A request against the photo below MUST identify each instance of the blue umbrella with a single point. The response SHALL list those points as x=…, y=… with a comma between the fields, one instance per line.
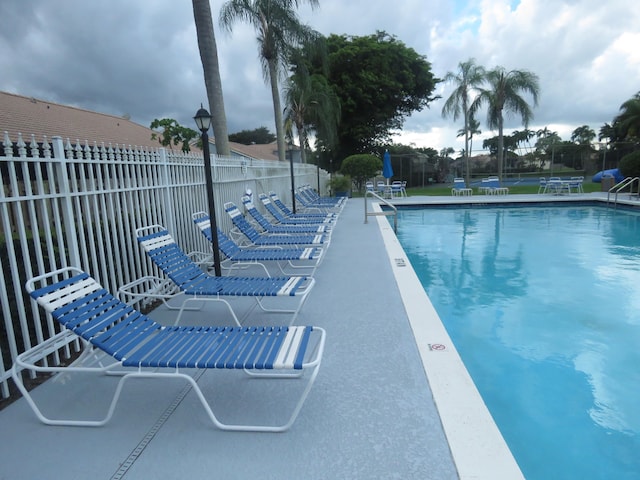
x=387, y=169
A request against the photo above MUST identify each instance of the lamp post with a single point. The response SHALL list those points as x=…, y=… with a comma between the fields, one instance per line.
x=293, y=186
x=203, y=121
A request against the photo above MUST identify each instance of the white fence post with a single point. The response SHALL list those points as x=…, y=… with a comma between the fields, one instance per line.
x=66, y=202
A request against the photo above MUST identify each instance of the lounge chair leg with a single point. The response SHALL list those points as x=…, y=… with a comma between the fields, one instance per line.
x=205, y=299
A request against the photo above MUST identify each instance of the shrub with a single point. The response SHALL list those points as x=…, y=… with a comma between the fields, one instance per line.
x=630, y=164
x=340, y=183
x=361, y=167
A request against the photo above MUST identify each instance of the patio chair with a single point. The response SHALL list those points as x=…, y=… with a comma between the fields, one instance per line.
x=256, y=238
x=396, y=189
x=543, y=185
x=183, y=275
x=269, y=227
x=118, y=340
x=306, y=259
x=307, y=214
x=575, y=184
x=369, y=186
x=282, y=219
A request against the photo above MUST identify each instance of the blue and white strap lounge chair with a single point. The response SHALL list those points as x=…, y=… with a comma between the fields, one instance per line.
x=269, y=227
x=185, y=276
x=305, y=259
x=312, y=196
x=282, y=219
x=261, y=239
x=118, y=340
x=278, y=203
x=460, y=187
x=322, y=207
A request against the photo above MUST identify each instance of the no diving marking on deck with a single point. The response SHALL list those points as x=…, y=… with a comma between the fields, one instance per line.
x=436, y=347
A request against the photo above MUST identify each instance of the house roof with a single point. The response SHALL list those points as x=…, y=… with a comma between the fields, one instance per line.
x=28, y=115
x=267, y=151
x=32, y=116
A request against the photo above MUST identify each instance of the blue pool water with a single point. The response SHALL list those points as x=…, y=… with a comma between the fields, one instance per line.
x=543, y=306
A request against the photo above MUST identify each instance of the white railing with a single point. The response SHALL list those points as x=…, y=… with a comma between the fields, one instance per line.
x=73, y=204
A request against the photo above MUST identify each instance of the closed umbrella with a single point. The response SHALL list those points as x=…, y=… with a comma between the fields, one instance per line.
x=387, y=169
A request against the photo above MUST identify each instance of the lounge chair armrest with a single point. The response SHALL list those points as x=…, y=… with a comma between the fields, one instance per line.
x=145, y=288
x=201, y=258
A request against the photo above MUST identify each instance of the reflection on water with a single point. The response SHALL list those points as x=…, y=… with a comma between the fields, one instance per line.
x=542, y=305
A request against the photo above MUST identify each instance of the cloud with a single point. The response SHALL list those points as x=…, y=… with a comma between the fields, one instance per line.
x=141, y=58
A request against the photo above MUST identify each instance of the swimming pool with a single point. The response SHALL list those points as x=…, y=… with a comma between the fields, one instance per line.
x=542, y=305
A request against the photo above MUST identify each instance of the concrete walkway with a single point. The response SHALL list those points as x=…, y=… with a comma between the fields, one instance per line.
x=370, y=415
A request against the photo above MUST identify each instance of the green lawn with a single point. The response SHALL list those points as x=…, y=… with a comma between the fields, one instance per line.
x=442, y=189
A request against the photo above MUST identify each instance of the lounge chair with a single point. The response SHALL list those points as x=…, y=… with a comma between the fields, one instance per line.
x=312, y=196
x=307, y=214
x=318, y=203
x=491, y=186
x=305, y=259
x=185, y=276
x=269, y=227
x=460, y=188
x=282, y=219
x=139, y=347
x=256, y=238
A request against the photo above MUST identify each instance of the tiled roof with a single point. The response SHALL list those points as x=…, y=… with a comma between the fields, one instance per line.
x=28, y=115
x=19, y=114
x=268, y=151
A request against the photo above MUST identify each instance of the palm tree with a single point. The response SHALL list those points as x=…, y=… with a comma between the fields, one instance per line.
x=311, y=105
x=504, y=94
x=628, y=121
x=209, y=58
x=469, y=77
x=279, y=30
x=474, y=129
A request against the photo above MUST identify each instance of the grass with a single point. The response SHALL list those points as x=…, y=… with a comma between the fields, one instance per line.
x=445, y=190
x=442, y=189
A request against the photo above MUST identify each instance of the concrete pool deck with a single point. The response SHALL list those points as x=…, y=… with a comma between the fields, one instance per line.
x=392, y=399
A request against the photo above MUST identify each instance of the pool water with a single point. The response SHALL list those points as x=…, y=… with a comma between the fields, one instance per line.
x=543, y=305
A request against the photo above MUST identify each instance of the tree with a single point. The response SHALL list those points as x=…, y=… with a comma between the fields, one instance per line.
x=628, y=120
x=583, y=136
x=545, y=145
x=361, y=167
x=311, y=105
x=473, y=129
x=503, y=96
x=279, y=30
x=260, y=136
x=379, y=81
x=630, y=164
x=469, y=77
x=209, y=58
x=173, y=133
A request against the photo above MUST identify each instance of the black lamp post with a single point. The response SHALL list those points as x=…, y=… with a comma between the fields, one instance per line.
x=203, y=121
x=293, y=186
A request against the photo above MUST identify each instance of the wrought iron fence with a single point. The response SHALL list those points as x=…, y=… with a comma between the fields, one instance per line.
x=73, y=204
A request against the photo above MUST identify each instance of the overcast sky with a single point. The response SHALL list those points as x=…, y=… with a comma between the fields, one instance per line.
x=141, y=57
